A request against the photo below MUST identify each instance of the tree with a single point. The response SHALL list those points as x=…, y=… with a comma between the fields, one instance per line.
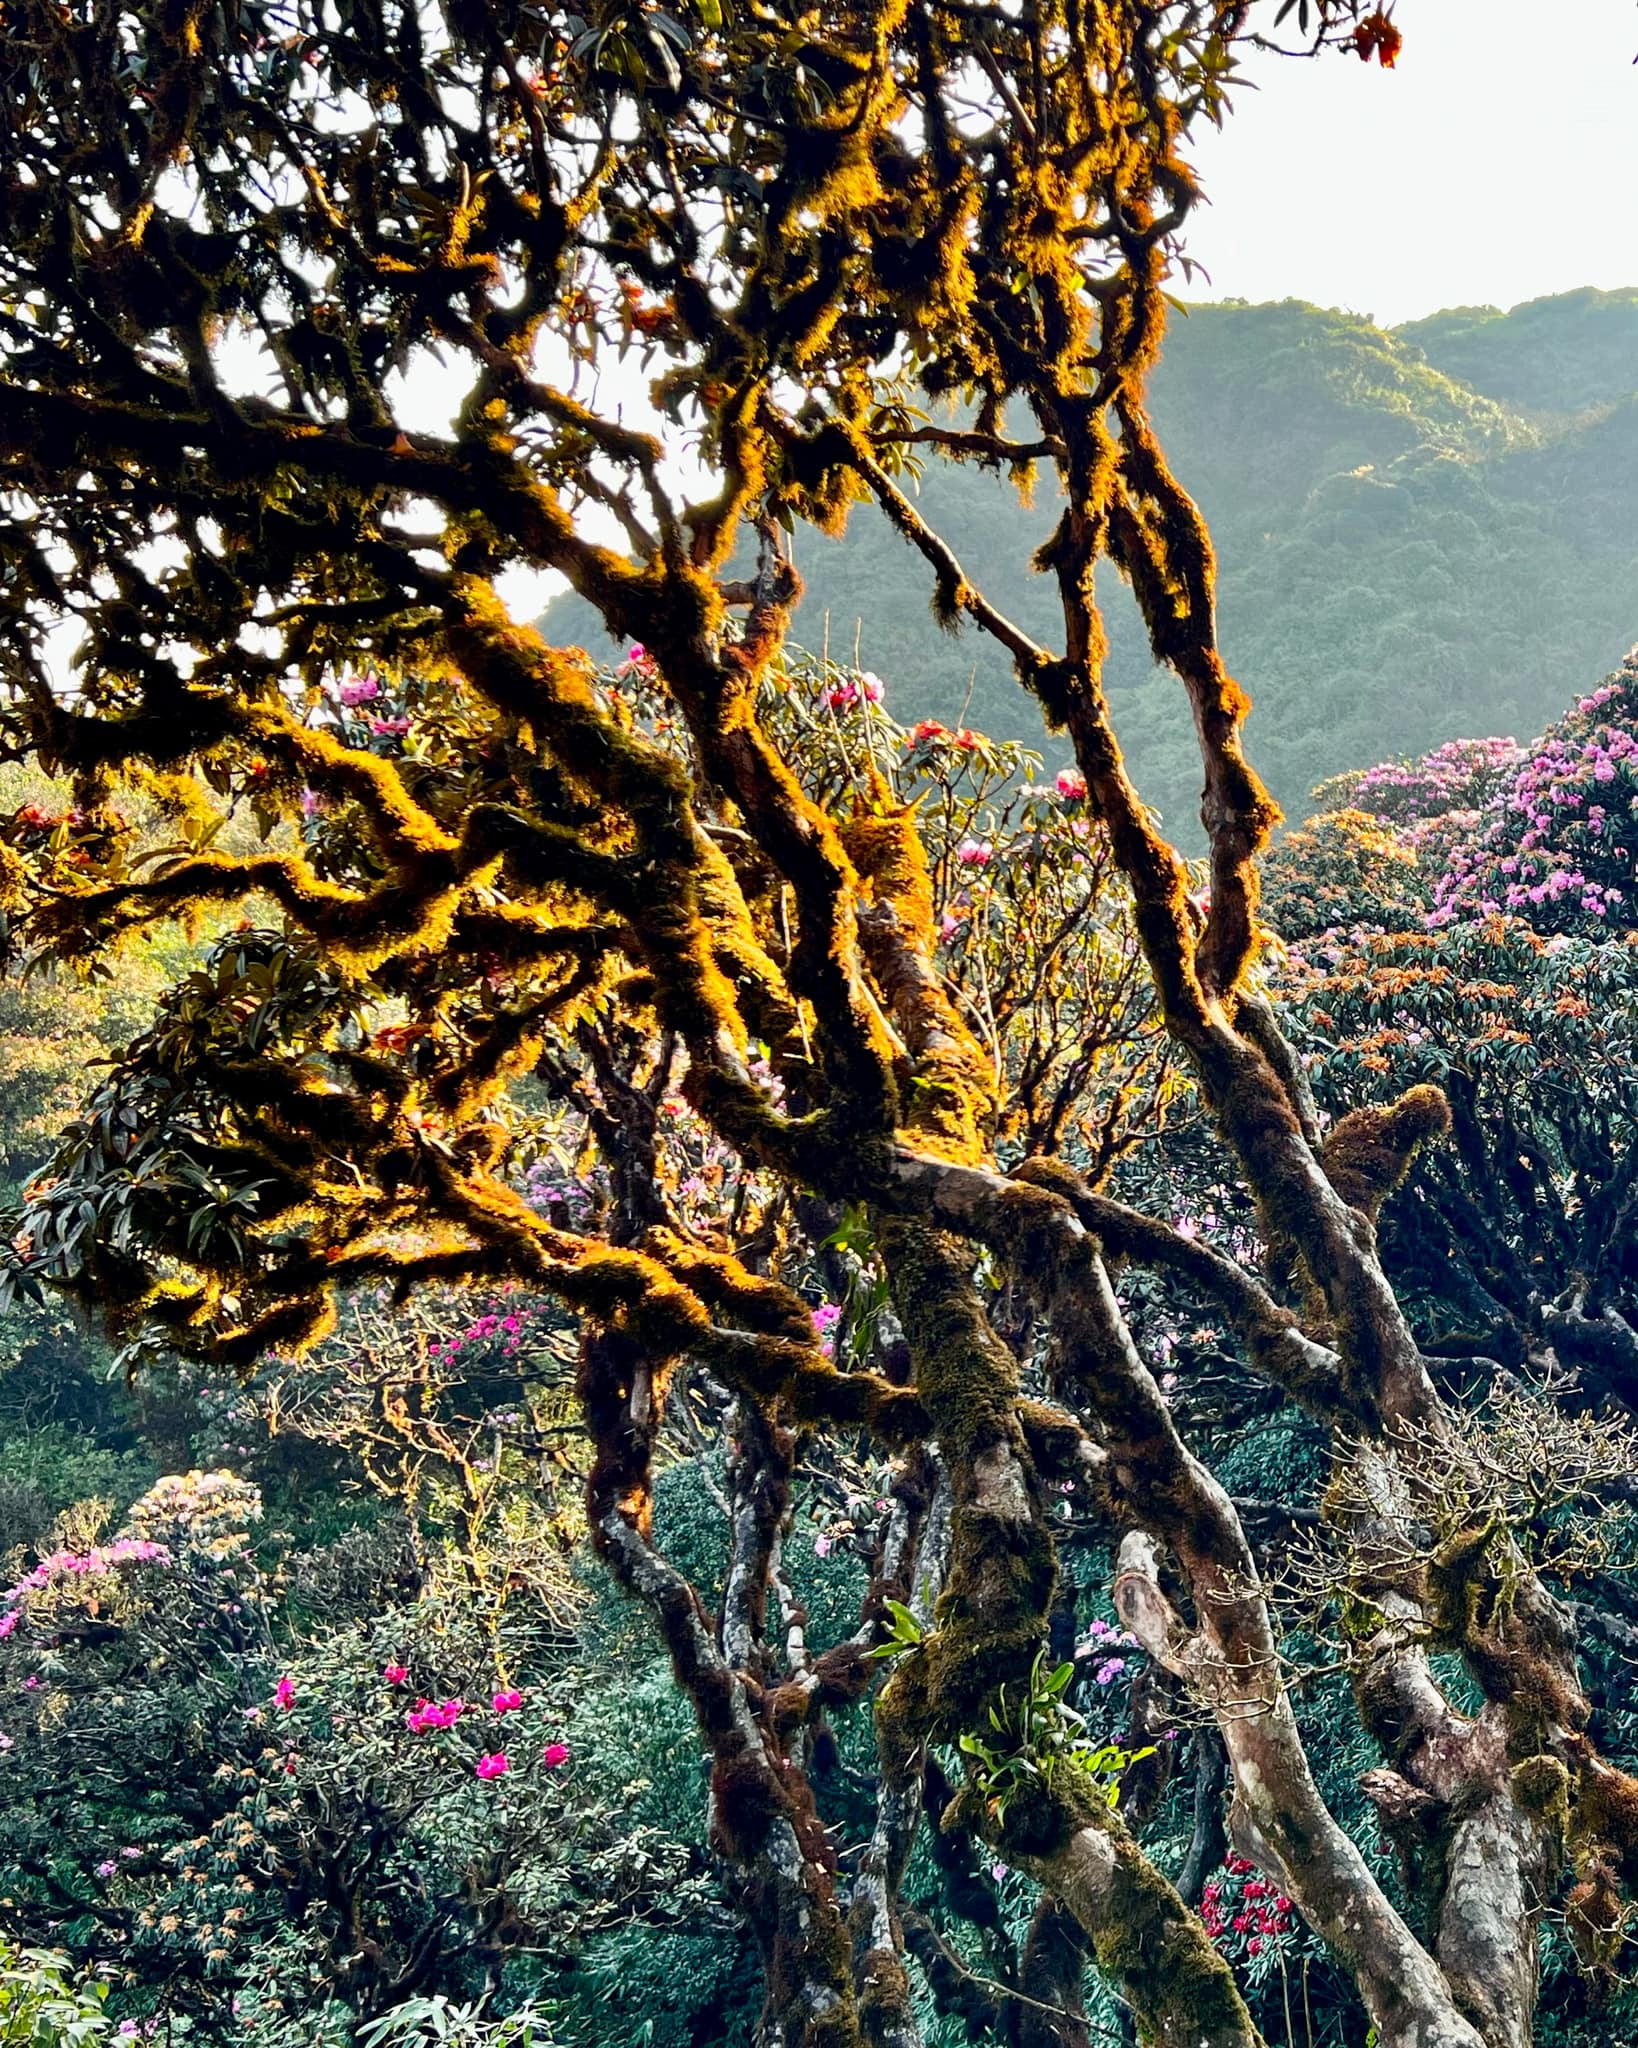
x=1492, y=884
x=842, y=241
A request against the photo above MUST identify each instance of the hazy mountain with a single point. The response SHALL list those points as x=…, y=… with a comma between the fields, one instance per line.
x=1422, y=533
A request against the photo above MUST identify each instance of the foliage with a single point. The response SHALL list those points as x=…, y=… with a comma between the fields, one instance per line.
x=694, y=1029
x=420, y=2022
x=1036, y=1738
x=43, y=2004
x=1344, y=869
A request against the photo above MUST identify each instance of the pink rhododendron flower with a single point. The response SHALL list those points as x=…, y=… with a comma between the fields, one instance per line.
x=395, y=1674
x=507, y=1702
x=1070, y=784
x=425, y=1715
x=554, y=1755
x=494, y=1766
x=361, y=690
x=284, y=1693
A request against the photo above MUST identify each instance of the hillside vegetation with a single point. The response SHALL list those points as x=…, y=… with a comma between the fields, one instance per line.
x=1421, y=533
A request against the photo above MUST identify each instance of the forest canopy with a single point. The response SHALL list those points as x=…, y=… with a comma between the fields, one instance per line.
x=647, y=1129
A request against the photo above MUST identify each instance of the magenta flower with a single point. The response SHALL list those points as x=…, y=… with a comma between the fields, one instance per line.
x=360, y=691
x=554, y=1755
x=395, y=1674
x=494, y=1765
x=105, y=1869
x=425, y=1715
x=1070, y=784
x=507, y=1702
x=284, y=1694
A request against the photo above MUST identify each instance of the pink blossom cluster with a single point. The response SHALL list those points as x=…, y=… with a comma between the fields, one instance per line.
x=543, y=1187
x=425, y=1714
x=1257, y=1909
x=1558, y=851
x=1460, y=775
x=506, y=1324
x=356, y=693
x=1105, y=1642
x=96, y=1562
x=863, y=687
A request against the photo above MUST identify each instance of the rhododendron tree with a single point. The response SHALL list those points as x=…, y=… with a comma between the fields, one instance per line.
x=1561, y=848
x=799, y=1013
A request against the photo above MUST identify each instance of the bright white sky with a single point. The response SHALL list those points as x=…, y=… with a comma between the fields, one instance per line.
x=1497, y=162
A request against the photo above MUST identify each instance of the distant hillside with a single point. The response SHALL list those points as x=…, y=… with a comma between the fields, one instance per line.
x=1562, y=355
x=1421, y=533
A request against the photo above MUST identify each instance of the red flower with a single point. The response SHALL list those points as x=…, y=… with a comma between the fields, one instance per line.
x=1377, y=37
x=395, y=1674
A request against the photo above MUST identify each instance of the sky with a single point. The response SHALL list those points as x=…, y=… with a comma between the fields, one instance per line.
x=1497, y=162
